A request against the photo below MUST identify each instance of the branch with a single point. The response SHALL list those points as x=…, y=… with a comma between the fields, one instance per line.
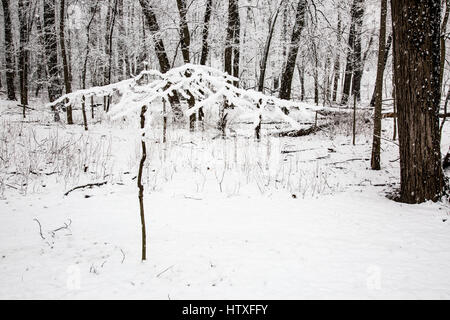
x=90, y=185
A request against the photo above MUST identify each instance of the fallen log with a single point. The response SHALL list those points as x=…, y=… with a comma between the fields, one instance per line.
x=302, y=132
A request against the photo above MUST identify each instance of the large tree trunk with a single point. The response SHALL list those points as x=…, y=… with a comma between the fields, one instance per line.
x=205, y=33
x=161, y=54
x=416, y=26
x=288, y=72
x=51, y=50
x=376, y=147
x=9, y=51
x=62, y=43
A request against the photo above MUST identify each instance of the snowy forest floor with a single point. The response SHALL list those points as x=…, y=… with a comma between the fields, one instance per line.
x=286, y=218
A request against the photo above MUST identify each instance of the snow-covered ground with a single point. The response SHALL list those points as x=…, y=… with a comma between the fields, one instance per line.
x=284, y=218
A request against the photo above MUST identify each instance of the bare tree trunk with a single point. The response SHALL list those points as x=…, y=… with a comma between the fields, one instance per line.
x=51, y=50
x=417, y=59
x=337, y=62
x=386, y=56
x=9, y=51
x=443, y=37
x=110, y=42
x=301, y=73
x=288, y=72
x=205, y=33
x=122, y=47
x=357, y=54
x=376, y=147
x=185, y=36
x=263, y=64
x=236, y=43
x=161, y=54
x=93, y=11
x=315, y=72
x=62, y=42
x=230, y=41
x=349, y=68
x=24, y=8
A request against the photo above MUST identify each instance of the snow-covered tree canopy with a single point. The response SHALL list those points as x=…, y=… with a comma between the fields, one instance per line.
x=208, y=86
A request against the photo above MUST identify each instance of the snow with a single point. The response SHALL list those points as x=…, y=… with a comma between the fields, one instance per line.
x=287, y=218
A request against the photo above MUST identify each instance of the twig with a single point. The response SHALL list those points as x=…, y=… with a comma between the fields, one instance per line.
x=348, y=161
x=158, y=275
x=123, y=253
x=40, y=228
x=65, y=227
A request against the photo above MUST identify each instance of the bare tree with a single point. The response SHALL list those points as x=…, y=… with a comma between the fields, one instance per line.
x=288, y=72
x=205, y=32
x=51, y=50
x=62, y=44
x=358, y=62
x=337, y=62
x=9, y=49
x=160, y=51
x=351, y=49
x=263, y=63
x=376, y=147
x=25, y=24
x=232, y=42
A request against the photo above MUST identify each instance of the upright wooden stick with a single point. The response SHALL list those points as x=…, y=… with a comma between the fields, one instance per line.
x=141, y=187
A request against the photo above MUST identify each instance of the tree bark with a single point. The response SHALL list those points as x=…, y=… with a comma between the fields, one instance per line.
x=161, y=54
x=288, y=72
x=443, y=37
x=337, y=62
x=349, y=67
x=376, y=146
x=386, y=56
x=232, y=41
x=51, y=50
x=24, y=8
x=62, y=43
x=9, y=51
x=205, y=33
x=416, y=26
x=263, y=64
x=185, y=36
x=236, y=43
x=110, y=42
x=357, y=54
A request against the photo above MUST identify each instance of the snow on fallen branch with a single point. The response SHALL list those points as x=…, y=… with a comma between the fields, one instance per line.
x=208, y=86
